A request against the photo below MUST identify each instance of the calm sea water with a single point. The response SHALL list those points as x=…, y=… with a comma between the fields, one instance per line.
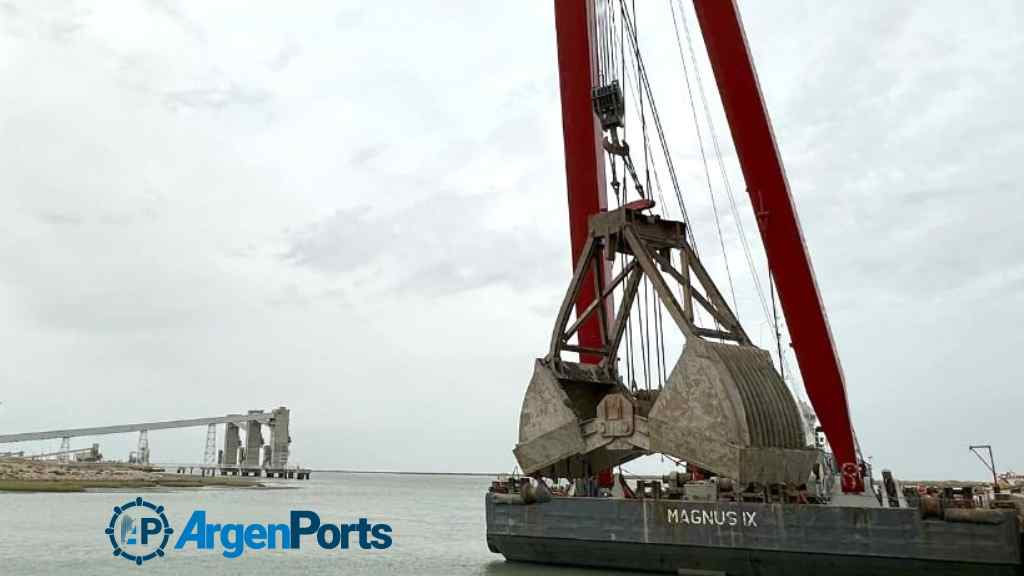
x=438, y=524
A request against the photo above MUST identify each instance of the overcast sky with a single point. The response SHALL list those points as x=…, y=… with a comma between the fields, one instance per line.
x=357, y=210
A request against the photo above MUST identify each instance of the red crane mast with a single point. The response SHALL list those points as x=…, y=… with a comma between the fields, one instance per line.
x=584, y=157
x=766, y=184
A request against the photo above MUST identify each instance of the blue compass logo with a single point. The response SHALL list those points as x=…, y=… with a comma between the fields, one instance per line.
x=138, y=531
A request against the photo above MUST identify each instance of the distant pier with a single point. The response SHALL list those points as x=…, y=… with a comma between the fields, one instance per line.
x=244, y=452
x=288, y=473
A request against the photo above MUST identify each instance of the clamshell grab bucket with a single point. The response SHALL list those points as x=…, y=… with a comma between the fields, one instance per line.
x=723, y=408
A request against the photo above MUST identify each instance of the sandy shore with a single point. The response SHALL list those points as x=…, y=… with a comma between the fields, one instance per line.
x=21, y=475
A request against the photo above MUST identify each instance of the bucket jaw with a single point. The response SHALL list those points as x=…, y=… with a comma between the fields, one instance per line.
x=723, y=407
x=726, y=409
x=576, y=420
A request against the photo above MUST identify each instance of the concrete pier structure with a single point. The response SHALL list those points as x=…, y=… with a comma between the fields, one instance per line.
x=253, y=455
x=253, y=442
x=231, y=443
x=280, y=438
x=257, y=415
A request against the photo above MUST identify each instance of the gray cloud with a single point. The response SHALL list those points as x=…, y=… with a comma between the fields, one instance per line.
x=442, y=245
x=171, y=10
x=365, y=154
x=58, y=218
x=215, y=98
x=285, y=56
x=331, y=206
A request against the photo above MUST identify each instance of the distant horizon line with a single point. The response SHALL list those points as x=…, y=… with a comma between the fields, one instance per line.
x=406, y=472
x=345, y=471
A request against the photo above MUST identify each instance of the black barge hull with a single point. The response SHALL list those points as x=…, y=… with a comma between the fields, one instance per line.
x=743, y=539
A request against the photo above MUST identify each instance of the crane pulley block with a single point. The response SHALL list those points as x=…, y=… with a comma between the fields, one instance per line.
x=609, y=105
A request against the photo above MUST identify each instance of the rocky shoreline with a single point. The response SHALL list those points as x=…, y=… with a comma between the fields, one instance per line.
x=23, y=475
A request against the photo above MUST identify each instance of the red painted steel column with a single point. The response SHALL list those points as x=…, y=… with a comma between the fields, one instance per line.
x=780, y=229
x=584, y=163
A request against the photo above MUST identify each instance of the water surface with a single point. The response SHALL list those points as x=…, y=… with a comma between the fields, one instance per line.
x=438, y=524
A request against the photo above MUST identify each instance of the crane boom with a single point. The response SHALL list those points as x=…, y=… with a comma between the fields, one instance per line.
x=780, y=229
x=584, y=162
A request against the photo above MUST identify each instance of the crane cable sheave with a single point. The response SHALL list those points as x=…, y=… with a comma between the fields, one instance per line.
x=610, y=109
x=723, y=407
